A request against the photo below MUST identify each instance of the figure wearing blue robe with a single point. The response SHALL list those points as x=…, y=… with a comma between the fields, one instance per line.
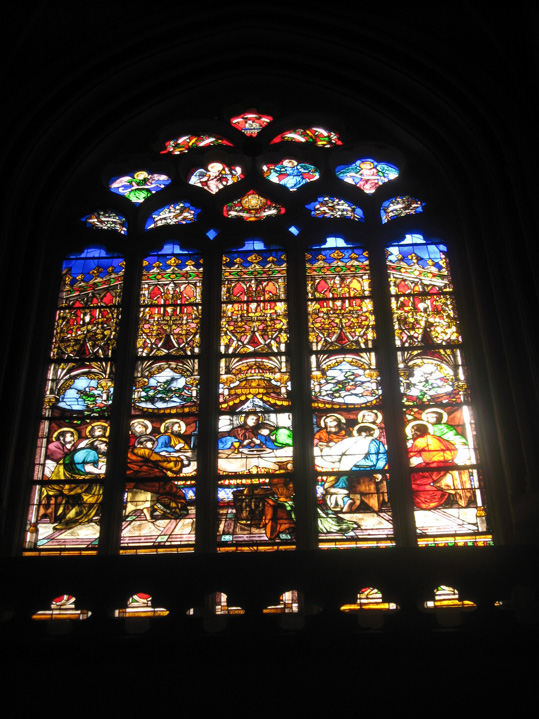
x=227, y=441
x=292, y=176
x=170, y=443
x=376, y=457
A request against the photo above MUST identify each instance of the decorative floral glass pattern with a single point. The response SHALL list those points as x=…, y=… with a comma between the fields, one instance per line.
x=178, y=213
x=106, y=220
x=335, y=208
x=316, y=135
x=250, y=122
x=185, y=143
x=399, y=207
x=252, y=206
x=170, y=303
x=340, y=308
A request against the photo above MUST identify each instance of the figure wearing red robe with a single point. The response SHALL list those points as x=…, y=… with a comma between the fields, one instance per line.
x=428, y=451
x=333, y=430
x=144, y=462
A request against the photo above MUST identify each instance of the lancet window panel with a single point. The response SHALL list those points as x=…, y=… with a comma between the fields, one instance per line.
x=160, y=488
x=353, y=504
x=255, y=445
x=446, y=478
x=71, y=455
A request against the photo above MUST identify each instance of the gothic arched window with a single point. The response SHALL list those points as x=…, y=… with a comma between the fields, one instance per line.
x=256, y=347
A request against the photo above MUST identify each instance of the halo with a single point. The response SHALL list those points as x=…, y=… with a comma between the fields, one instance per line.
x=418, y=421
x=98, y=424
x=372, y=411
x=438, y=410
x=66, y=429
x=367, y=424
x=332, y=414
x=176, y=421
x=145, y=422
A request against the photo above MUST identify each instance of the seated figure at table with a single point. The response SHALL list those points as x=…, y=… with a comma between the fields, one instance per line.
x=154, y=491
x=63, y=443
x=71, y=496
x=170, y=441
x=245, y=435
x=362, y=451
x=333, y=430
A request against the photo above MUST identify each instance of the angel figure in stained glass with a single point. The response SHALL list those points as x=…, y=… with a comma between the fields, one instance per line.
x=139, y=186
x=367, y=174
x=291, y=174
x=215, y=177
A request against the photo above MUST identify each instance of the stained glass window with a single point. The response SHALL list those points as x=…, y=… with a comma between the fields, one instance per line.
x=252, y=375
x=350, y=455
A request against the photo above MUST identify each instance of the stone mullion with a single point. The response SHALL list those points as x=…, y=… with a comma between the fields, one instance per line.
x=208, y=418
x=300, y=371
x=126, y=357
x=400, y=489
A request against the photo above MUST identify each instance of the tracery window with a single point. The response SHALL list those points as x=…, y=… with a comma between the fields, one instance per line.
x=230, y=373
